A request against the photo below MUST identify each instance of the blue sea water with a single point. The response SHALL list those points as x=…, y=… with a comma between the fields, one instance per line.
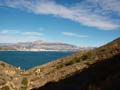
x=27, y=60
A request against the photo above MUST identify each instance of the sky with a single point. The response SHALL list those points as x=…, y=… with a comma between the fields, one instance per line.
x=78, y=22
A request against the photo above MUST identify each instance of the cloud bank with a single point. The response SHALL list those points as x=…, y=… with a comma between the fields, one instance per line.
x=92, y=13
x=8, y=36
x=11, y=32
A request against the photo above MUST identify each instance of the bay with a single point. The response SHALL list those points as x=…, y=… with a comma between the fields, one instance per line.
x=28, y=59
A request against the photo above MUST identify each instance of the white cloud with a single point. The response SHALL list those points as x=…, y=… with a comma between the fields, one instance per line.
x=16, y=32
x=92, y=13
x=33, y=33
x=8, y=31
x=73, y=34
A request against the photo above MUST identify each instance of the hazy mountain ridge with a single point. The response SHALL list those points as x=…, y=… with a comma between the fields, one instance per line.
x=86, y=70
x=39, y=46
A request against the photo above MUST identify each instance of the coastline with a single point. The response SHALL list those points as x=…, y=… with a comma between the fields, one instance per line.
x=41, y=50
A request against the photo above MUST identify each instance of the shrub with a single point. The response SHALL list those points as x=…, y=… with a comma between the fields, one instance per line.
x=69, y=63
x=84, y=57
x=2, y=64
x=5, y=88
x=24, y=84
x=89, y=55
x=60, y=66
x=76, y=59
x=24, y=81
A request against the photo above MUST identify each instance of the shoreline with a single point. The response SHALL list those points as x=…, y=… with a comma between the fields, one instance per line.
x=42, y=50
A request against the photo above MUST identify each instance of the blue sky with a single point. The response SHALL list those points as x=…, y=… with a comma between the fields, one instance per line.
x=78, y=22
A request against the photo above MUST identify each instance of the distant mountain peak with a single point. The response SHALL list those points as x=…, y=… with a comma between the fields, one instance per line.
x=38, y=41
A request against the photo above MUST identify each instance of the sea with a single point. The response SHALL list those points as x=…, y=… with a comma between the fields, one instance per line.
x=28, y=59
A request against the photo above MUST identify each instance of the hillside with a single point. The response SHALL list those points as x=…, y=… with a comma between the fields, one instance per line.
x=96, y=69
x=104, y=75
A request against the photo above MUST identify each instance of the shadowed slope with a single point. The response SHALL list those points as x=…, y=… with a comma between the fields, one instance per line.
x=101, y=73
x=104, y=75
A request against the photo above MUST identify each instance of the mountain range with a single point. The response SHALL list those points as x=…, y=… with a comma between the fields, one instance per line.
x=40, y=46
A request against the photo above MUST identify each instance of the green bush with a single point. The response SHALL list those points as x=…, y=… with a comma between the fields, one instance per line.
x=69, y=63
x=24, y=81
x=60, y=66
x=84, y=57
x=90, y=55
x=23, y=88
x=24, y=84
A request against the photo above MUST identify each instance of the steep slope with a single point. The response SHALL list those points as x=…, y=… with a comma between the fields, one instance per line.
x=99, y=76
x=96, y=69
